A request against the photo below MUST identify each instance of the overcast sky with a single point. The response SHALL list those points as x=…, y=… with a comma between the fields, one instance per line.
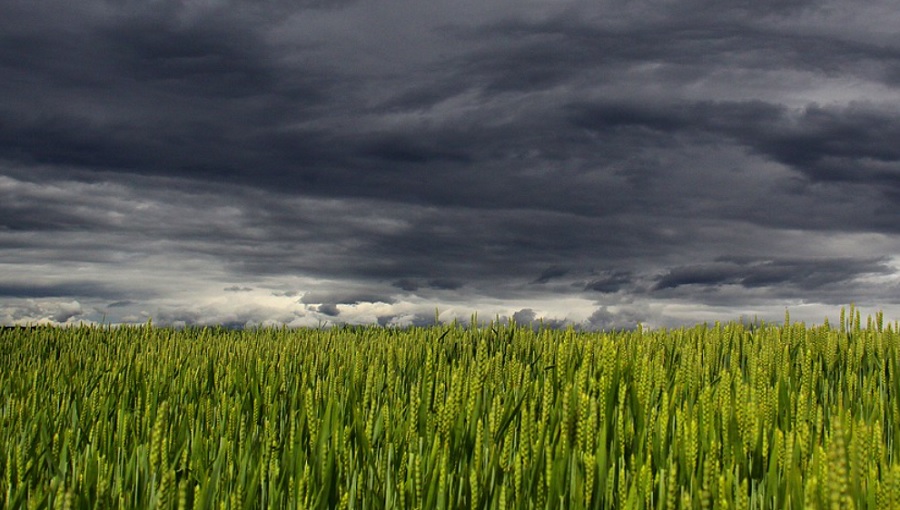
x=310, y=162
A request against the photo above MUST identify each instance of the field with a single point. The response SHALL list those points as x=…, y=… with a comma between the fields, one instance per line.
x=730, y=415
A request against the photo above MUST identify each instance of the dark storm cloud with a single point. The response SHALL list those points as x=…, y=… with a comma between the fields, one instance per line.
x=387, y=157
x=855, y=143
x=504, y=246
x=610, y=282
x=211, y=100
x=409, y=149
x=224, y=108
x=444, y=284
x=803, y=274
x=200, y=60
x=43, y=290
x=534, y=55
x=152, y=94
x=406, y=284
x=412, y=285
x=551, y=273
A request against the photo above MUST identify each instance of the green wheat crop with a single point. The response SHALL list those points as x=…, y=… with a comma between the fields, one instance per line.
x=729, y=416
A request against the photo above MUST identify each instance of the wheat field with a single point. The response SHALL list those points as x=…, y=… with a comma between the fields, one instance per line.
x=729, y=416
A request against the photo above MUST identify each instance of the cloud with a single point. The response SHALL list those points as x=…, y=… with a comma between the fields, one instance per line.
x=235, y=288
x=407, y=284
x=524, y=316
x=32, y=312
x=51, y=290
x=329, y=309
x=345, y=297
x=609, y=282
x=807, y=275
x=605, y=320
x=551, y=273
x=444, y=284
x=852, y=143
x=421, y=320
x=233, y=314
x=711, y=158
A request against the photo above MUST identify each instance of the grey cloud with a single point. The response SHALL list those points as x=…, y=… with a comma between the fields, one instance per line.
x=605, y=320
x=423, y=320
x=412, y=284
x=329, y=309
x=62, y=289
x=609, y=282
x=554, y=323
x=198, y=59
x=535, y=55
x=348, y=297
x=852, y=143
x=804, y=274
x=407, y=284
x=551, y=273
x=235, y=288
x=190, y=314
x=528, y=317
x=444, y=284
x=856, y=143
x=524, y=316
x=749, y=7
x=741, y=118
x=720, y=274
x=455, y=155
x=161, y=96
x=374, y=161
x=32, y=312
x=409, y=149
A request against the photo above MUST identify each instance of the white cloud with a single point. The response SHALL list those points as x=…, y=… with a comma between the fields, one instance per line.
x=43, y=311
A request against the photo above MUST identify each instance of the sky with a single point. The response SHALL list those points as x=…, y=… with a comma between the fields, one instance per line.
x=595, y=164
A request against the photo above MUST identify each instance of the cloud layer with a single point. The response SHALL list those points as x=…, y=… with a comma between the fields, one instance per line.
x=319, y=162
